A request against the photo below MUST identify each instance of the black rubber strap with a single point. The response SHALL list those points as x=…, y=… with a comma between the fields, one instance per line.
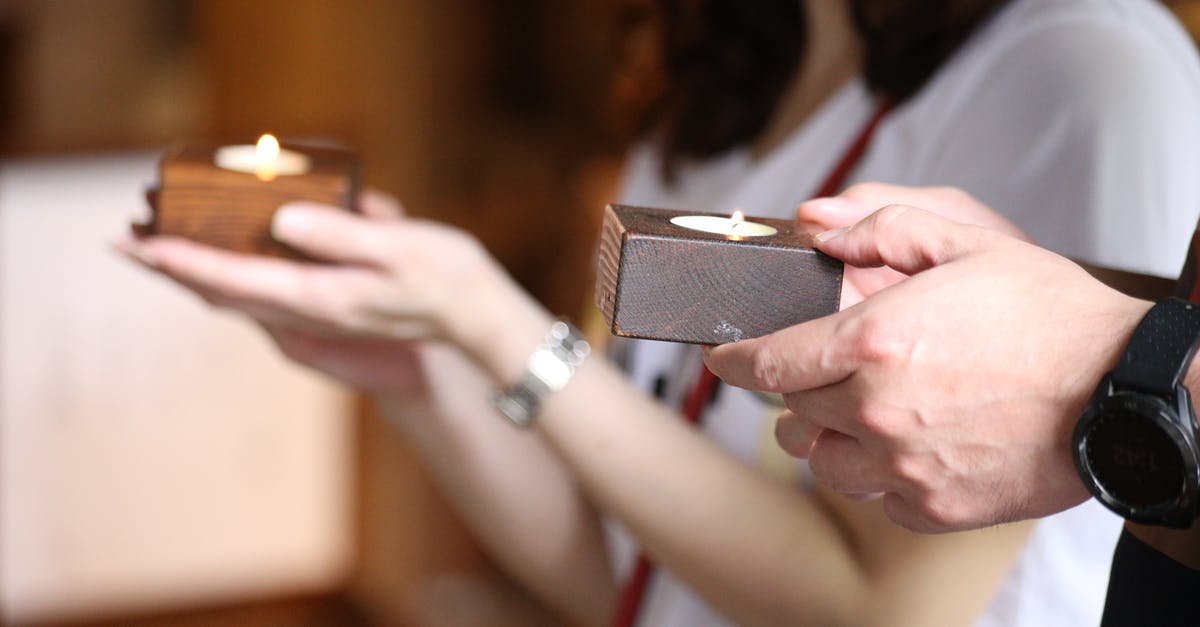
x=1161, y=348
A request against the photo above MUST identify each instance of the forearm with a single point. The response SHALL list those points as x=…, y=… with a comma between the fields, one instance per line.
x=513, y=493
x=755, y=549
x=752, y=547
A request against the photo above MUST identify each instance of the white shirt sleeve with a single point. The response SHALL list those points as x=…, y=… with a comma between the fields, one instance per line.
x=1085, y=130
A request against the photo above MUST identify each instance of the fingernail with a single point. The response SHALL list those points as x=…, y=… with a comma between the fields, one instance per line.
x=290, y=222
x=826, y=236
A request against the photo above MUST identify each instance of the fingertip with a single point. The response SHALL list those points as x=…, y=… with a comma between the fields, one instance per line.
x=292, y=221
x=823, y=206
x=123, y=244
x=379, y=205
x=714, y=354
x=138, y=252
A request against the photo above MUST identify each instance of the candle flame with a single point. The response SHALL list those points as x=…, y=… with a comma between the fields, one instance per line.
x=738, y=216
x=267, y=153
x=267, y=148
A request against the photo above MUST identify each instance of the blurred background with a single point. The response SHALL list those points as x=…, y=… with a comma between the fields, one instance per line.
x=159, y=463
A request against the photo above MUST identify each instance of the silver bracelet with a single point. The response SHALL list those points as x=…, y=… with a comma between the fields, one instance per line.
x=548, y=370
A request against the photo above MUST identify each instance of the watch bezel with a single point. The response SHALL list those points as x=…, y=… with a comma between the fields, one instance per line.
x=1179, y=512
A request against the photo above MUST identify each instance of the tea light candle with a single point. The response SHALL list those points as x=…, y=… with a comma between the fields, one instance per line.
x=266, y=159
x=734, y=226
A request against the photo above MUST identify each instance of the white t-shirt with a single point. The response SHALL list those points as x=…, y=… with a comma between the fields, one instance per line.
x=1080, y=121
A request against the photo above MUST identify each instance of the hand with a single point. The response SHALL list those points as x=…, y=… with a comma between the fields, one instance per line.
x=394, y=280
x=859, y=201
x=953, y=392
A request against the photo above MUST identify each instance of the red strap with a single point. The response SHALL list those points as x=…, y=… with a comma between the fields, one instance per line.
x=701, y=393
x=698, y=397
x=635, y=590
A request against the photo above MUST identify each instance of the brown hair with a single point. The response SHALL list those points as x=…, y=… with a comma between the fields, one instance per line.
x=720, y=66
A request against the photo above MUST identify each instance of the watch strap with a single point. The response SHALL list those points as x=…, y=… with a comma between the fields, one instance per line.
x=1161, y=348
x=549, y=368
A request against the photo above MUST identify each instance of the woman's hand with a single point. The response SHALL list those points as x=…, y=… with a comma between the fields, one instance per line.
x=391, y=280
x=861, y=200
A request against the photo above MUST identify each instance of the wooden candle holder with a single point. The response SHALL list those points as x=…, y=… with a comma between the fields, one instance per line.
x=229, y=209
x=660, y=281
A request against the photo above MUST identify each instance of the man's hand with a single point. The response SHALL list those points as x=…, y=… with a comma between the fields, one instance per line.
x=954, y=391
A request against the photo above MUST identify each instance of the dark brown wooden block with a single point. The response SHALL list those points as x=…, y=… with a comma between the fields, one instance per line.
x=660, y=281
x=198, y=200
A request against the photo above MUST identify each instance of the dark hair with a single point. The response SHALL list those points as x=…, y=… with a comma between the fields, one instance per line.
x=722, y=65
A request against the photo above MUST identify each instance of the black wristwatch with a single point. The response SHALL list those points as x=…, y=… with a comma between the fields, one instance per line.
x=1135, y=446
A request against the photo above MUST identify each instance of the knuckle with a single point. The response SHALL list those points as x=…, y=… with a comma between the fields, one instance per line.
x=943, y=509
x=765, y=368
x=879, y=420
x=908, y=469
x=879, y=341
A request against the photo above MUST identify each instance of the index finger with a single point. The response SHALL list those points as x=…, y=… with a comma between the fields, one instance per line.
x=335, y=235
x=801, y=357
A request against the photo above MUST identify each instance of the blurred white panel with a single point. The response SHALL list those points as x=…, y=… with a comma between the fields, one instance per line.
x=153, y=452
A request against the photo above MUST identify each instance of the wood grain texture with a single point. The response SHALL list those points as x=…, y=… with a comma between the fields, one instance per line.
x=233, y=210
x=658, y=281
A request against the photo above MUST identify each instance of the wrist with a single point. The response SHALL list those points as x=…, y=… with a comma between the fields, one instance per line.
x=1135, y=445
x=548, y=369
x=498, y=325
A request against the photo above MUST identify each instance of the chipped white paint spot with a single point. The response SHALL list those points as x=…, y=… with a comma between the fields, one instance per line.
x=726, y=332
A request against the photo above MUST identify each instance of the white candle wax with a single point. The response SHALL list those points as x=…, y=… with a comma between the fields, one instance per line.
x=724, y=226
x=266, y=160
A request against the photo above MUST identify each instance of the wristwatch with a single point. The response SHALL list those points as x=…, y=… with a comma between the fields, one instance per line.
x=1135, y=446
x=549, y=368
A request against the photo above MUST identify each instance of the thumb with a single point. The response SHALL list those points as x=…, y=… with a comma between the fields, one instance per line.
x=904, y=238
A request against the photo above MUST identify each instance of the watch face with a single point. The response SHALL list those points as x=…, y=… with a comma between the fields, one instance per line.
x=1134, y=459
